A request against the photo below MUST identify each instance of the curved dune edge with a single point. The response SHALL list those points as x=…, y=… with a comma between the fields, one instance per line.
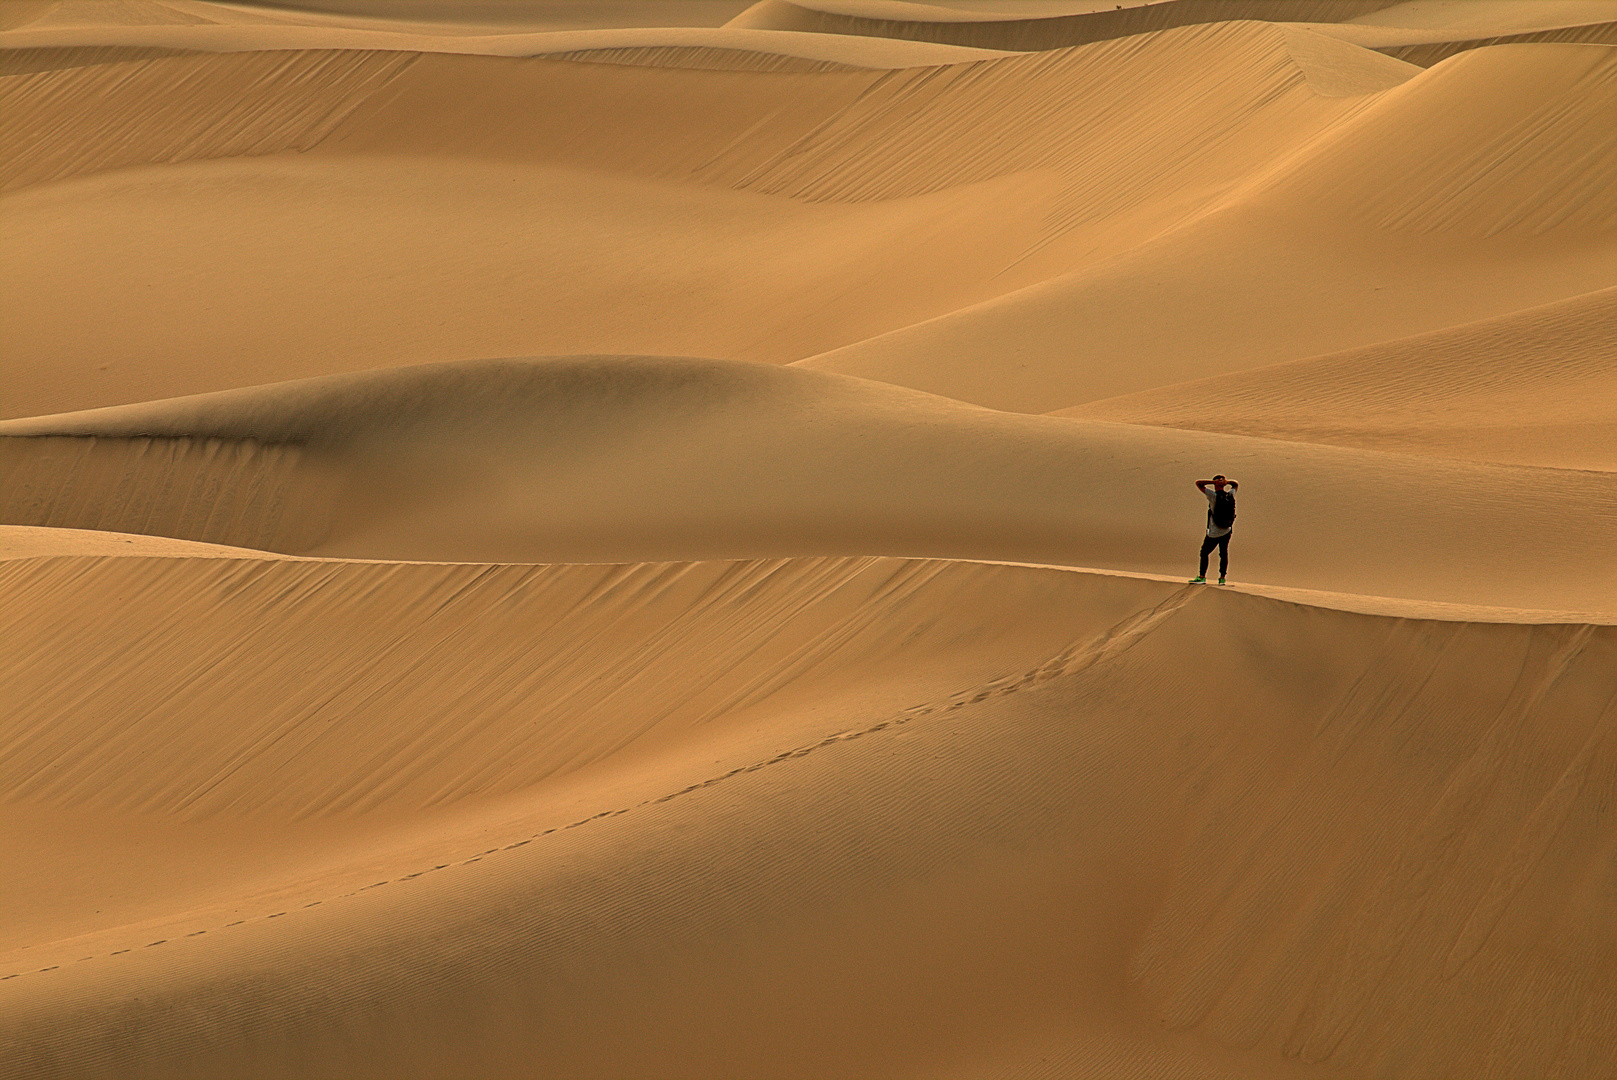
x=828, y=48
x=1427, y=54
x=31, y=542
x=292, y=97
x=1534, y=387
x=795, y=862
x=1416, y=33
x=987, y=29
x=568, y=459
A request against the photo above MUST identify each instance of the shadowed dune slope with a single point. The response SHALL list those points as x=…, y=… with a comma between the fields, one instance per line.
x=1420, y=210
x=1422, y=32
x=590, y=458
x=1391, y=835
x=1535, y=387
x=988, y=29
x=27, y=61
x=68, y=122
x=1426, y=31
x=1427, y=54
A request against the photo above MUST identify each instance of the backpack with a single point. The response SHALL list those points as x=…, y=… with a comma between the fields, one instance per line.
x=1223, y=509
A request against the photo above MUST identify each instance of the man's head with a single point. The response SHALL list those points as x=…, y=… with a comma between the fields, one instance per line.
x=1219, y=479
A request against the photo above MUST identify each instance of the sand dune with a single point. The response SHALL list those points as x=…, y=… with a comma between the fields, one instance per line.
x=1337, y=247
x=780, y=664
x=568, y=459
x=490, y=274
x=1201, y=198
x=716, y=641
x=1535, y=387
x=564, y=906
x=501, y=259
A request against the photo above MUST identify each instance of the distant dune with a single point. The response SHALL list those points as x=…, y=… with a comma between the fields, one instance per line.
x=644, y=540
x=1535, y=387
x=1361, y=233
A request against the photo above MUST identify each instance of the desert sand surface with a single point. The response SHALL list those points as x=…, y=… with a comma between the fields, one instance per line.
x=631, y=539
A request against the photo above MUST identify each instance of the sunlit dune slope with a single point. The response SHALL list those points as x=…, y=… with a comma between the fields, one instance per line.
x=1476, y=188
x=592, y=458
x=1536, y=387
x=31, y=541
x=869, y=780
x=360, y=687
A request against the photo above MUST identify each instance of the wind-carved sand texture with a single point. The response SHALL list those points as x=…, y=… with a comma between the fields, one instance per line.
x=539, y=542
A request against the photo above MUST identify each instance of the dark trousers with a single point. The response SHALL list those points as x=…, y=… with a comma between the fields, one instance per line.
x=1223, y=545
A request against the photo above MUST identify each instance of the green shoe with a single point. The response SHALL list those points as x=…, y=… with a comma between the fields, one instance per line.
x=1198, y=581
x=1221, y=581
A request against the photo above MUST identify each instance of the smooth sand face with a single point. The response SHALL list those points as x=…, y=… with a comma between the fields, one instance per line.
x=558, y=540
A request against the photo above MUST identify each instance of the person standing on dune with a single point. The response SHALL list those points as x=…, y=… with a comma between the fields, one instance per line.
x=1220, y=494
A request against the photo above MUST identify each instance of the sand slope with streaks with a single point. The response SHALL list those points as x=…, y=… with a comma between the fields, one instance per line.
x=566, y=908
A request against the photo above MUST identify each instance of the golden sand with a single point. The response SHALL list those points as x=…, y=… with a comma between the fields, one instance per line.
x=650, y=540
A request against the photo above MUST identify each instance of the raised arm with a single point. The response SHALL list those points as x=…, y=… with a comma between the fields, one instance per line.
x=1201, y=486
